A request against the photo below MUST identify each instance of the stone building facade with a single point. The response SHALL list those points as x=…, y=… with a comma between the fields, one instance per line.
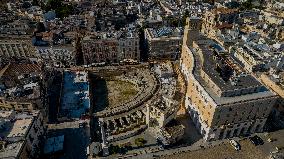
x=222, y=101
x=218, y=18
x=163, y=43
x=99, y=50
x=111, y=48
x=129, y=47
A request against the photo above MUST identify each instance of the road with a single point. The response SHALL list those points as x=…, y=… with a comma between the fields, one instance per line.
x=221, y=149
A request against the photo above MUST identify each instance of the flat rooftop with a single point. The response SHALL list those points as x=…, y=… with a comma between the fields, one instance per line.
x=54, y=144
x=75, y=99
x=206, y=60
x=222, y=69
x=165, y=32
x=13, y=132
x=20, y=127
x=15, y=125
x=11, y=150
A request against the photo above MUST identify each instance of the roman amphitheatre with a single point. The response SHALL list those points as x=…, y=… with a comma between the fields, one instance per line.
x=115, y=90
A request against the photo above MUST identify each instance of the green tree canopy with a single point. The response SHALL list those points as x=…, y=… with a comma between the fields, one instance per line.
x=61, y=9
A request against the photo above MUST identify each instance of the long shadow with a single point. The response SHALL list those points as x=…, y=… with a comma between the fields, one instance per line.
x=99, y=97
x=75, y=143
x=191, y=134
x=99, y=93
x=53, y=97
x=273, y=123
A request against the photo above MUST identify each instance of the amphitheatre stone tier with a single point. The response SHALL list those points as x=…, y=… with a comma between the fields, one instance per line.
x=145, y=82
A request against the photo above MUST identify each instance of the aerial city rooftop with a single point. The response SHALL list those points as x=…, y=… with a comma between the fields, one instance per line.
x=167, y=79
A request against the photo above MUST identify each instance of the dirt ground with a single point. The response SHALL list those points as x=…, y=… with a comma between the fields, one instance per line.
x=119, y=92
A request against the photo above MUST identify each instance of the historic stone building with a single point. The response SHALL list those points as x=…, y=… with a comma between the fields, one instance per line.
x=222, y=99
x=20, y=48
x=111, y=47
x=163, y=43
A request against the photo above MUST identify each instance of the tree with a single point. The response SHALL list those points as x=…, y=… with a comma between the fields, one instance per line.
x=232, y=4
x=35, y=3
x=247, y=5
x=62, y=10
x=140, y=142
x=40, y=27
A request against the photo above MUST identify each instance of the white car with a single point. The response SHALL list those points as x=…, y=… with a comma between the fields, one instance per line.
x=235, y=144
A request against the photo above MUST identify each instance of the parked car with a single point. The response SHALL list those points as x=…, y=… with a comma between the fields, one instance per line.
x=235, y=144
x=256, y=140
x=271, y=139
x=278, y=148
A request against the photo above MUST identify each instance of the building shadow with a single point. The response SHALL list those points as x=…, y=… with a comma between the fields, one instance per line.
x=191, y=134
x=75, y=143
x=53, y=95
x=99, y=93
x=99, y=102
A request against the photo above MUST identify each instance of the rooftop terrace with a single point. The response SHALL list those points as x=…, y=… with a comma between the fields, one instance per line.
x=14, y=126
x=222, y=77
x=221, y=69
x=11, y=150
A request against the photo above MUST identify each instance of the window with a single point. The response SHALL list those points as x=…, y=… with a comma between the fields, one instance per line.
x=206, y=101
x=236, y=114
x=189, y=99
